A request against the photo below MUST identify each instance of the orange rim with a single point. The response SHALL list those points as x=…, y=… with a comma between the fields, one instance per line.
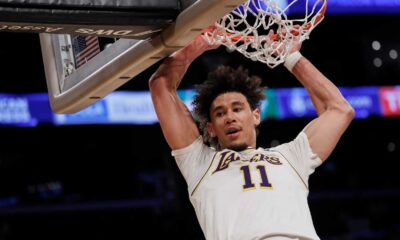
x=275, y=37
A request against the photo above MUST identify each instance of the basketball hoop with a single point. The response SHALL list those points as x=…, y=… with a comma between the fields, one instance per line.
x=262, y=31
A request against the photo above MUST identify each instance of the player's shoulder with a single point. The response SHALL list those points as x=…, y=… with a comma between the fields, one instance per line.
x=270, y=150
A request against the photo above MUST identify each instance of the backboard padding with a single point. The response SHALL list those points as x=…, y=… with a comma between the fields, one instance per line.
x=126, y=58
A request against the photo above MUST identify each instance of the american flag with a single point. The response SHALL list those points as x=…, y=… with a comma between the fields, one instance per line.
x=85, y=48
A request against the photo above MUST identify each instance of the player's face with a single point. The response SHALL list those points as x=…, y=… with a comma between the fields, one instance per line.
x=233, y=122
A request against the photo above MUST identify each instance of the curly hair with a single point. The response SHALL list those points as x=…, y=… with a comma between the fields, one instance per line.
x=223, y=80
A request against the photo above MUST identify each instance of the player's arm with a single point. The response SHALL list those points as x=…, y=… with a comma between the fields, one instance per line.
x=176, y=121
x=334, y=112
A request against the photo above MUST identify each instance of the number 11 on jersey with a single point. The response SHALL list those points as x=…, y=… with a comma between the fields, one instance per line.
x=248, y=183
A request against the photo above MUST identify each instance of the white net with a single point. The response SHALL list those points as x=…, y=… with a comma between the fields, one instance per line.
x=262, y=30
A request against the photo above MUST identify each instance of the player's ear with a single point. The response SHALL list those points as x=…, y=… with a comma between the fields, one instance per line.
x=210, y=130
x=256, y=117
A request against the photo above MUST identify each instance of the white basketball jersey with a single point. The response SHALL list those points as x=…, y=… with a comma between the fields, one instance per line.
x=253, y=194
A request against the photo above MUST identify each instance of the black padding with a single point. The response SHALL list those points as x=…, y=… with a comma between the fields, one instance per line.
x=102, y=12
x=91, y=4
x=87, y=17
x=70, y=15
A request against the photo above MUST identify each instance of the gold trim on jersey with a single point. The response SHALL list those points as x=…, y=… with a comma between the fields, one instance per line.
x=209, y=167
x=294, y=168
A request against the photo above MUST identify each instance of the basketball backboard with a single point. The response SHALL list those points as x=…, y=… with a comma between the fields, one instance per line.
x=73, y=88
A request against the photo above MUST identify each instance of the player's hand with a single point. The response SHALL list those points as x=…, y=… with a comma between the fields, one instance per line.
x=201, y=43
x=195, y=48
x=295, y=32
x=275, y=40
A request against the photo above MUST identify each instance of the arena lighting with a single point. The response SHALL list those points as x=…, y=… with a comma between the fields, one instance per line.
x=393, y=54
x=376, y=45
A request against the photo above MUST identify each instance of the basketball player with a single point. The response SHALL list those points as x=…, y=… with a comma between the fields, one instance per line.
x=239, y=191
